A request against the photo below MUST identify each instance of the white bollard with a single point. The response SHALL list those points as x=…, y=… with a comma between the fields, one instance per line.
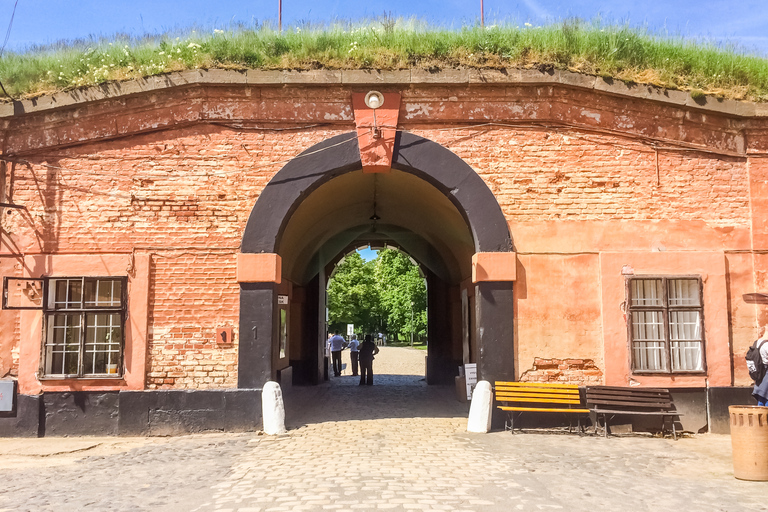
x=273, y=409
x=480, y=409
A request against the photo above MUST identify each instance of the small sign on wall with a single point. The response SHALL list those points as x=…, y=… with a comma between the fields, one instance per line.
x=470, y=373
x=224, y=335
x=282, y=299
x=7, y=388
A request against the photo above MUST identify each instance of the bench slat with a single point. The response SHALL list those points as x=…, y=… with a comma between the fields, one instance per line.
x=546, y=385
x=618, y=403
x=538, y=394
x=540, y=400
x=624, y=411
x=562, y=391
x=541, y=409
x=633, y=394
x=627, y=389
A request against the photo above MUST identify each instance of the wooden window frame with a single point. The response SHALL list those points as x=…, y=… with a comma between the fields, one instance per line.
x=49, y=312
x=665, y=308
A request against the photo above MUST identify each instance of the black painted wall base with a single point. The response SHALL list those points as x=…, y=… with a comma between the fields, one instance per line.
x=80, y=413
x=25, y=419
x=173, y=412
x=719, y=400
x=133, y=413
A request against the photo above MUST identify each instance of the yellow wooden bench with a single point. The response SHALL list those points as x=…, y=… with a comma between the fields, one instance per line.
x=516, y=398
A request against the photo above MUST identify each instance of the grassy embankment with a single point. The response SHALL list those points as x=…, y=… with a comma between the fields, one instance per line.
x=605, y=50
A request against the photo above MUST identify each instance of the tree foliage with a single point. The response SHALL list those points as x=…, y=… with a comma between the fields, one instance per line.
x=386, y=295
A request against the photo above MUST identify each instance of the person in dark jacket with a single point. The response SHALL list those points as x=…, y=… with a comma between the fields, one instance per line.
x=760, y=391
x=367, y=350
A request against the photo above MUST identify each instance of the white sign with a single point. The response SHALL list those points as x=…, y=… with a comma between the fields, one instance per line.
x=6, y=395
x=350, y=329
x=470, y=373
x=282, y=299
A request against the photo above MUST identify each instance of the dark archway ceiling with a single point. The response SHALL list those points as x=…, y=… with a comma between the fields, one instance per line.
x=414, y=216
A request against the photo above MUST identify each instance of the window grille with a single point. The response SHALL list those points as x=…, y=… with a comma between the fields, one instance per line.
x=84, y=327
x=665, y=324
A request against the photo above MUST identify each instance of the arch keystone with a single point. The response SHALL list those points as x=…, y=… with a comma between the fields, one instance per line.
x=376, y=130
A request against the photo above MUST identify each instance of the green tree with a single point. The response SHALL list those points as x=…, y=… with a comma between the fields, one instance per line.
x=402, y=294
x=353, y=296
x=385, y=295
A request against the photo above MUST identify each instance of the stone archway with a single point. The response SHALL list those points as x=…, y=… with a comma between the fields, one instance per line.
x=417, y=156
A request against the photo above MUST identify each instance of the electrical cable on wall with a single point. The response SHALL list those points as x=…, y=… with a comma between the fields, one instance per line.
x=644, y=141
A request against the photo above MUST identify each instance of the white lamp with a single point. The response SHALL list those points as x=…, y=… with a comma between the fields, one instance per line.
x=374, y=99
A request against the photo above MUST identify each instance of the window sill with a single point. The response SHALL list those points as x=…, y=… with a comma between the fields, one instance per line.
x=71, y=384
x=671, y=374
x=60, y=378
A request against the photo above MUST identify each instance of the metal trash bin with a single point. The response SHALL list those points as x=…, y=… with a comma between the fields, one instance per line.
x=749, y=441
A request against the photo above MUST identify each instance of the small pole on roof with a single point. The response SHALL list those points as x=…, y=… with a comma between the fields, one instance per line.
x=482, y=14
x=279, y=15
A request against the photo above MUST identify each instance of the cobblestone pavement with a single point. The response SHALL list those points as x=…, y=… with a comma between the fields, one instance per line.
x=398, y=445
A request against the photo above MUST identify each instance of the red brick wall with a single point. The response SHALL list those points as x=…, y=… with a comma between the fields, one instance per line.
x=191, y=294
x=561, y=174
x=564, y=371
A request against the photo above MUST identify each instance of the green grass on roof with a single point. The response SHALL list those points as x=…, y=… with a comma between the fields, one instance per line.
x=606, y=50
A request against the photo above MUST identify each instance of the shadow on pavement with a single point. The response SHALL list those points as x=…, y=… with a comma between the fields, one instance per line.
x=391, y=396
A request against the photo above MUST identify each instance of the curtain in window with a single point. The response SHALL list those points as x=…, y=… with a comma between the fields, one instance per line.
x=648, y=336
x=685, y=340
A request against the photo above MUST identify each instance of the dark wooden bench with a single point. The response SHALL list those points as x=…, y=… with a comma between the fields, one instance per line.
x=611, y=401
x=516, y=398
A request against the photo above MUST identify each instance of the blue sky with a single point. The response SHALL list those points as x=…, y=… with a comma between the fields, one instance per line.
x=47, y=21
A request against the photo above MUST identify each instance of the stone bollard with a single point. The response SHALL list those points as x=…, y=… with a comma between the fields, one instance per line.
x=273, y=409
x=480, y=409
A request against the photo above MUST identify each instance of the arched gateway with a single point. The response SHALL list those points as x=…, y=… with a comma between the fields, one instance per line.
x=462, y=245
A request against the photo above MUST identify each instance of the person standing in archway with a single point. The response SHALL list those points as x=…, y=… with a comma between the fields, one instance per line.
x=337, y=345
x=368, y=349
x=354, y=352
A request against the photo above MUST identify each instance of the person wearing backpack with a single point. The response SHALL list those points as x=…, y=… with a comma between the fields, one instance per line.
x=759, y=373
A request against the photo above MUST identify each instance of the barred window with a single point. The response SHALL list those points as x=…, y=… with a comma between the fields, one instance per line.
x=84, y=327
x=665, y=324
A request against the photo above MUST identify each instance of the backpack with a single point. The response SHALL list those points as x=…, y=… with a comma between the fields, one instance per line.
x=755, y=363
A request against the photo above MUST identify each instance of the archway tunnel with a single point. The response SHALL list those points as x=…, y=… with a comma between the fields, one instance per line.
x=321, y=205
x=394, y=209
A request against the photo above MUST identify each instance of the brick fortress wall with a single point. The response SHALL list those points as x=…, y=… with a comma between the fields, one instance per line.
x=183, y=193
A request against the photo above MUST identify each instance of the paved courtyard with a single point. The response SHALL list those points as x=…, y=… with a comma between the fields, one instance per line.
x=398, y=445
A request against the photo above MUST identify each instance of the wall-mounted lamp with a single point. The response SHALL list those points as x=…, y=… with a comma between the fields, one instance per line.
x=374, y=100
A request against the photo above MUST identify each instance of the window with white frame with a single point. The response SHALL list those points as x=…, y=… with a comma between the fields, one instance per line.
x=84, y=327
x=666, y=324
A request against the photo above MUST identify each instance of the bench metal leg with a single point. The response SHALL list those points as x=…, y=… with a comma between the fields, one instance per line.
x=509, y=424
x=674, y=429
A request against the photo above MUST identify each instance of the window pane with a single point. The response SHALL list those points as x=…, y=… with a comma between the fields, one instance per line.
x=283, y=331
x=686, y=355
x=103, y=339
x=649, y=355
x=103, y=293
x=63, y=345
x=647, y=325
x=68, y=294
x=646, y=292
x=684, y=325
x=683, y=292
